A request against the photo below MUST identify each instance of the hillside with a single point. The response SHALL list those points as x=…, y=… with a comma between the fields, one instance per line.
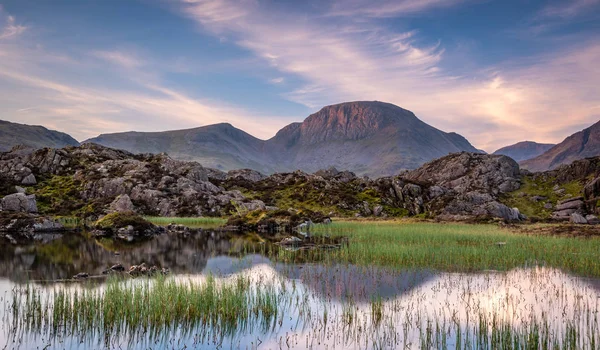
x=524, y=150
x=580, y=145
x=12, y=134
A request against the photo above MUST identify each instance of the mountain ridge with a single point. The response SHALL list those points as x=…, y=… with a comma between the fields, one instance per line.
x=524, y=150
x=35, y=136
x=580, y=145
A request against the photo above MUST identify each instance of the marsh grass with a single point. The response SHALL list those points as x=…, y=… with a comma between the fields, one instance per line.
x=214, y=310
x=457, y=247
x=192, y=222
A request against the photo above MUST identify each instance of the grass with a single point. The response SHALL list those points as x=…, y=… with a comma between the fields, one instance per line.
x=214, y=310
x=192, y=222
x=458, y=247
x=540, y=186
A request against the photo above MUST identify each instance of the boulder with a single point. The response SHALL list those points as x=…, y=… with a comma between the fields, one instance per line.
x=122, y=204
x=571, y=203
x=19, y=202
x=377, y=210
x=578, y=219
x=592, y=219
x=29, y=180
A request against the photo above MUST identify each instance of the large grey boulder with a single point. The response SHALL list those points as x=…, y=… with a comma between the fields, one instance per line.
x=571, y=203
x=578, y=219
x=19, y=202
x=121, y=204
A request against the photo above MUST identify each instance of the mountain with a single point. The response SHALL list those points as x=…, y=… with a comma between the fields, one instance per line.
x=12, y=134
x=369, y=138
x=524, y=150
x=219, y=146
x=583, y=144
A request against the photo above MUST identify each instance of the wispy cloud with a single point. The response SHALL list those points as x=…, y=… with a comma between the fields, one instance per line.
x=8, y=26
x=120, y=58
x=566, y=9
x=348, y=59
x=277, y=80
x=36, y=87
x=387, y=8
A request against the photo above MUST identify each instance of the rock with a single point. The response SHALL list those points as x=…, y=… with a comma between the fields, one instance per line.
x=291, y=241
x=122, y=204
x=245, y=174
x=29, y=180
x=592, y=219
x=126, y=233
x=19, y=202
x=20, y=190
x=499, y=210
x=578, y=219
x=563, y=214
x=537, y=199
x=366, y=210
x=327, y=221
x=11, y=239
x=47, y=225
x=377, y=210
x=81, y=275
x=548, y=206
x=254, y=205
x=571, y=203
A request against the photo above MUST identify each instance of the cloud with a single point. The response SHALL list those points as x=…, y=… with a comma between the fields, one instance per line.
x=277, y=80
x=72, y=93
x=8, y=26
x=119, y=58
x=346, y=59
x=387, y=8
x=567, y=9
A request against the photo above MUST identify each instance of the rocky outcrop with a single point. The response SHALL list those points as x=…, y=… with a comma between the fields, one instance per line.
x=460, y=186
x=96, y=180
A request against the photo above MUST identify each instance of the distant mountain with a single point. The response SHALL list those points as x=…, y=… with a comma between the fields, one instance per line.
x=219, y=146
x=369, y=138
x=524, y=150
x=583, y=144
x=12, y=134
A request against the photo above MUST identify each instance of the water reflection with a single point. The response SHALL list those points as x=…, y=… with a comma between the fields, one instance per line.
x=320, y=306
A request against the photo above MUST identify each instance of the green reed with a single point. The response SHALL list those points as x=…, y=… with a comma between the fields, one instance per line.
x=456, y=247
x=192, y=222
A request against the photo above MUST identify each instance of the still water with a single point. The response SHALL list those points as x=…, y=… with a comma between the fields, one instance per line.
x=318, y=306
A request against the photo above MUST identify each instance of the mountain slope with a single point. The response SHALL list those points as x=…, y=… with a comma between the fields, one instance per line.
x=12, y=134
x=219, y=146
x=524, y=150
x=583, y=144
x=369, y=138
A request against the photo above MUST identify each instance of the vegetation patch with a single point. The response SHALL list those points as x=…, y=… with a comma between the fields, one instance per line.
x=538, y=190
x=458, y=247
x=114, y=221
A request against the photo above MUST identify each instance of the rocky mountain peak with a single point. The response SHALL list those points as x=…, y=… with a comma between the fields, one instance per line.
x=353, y=121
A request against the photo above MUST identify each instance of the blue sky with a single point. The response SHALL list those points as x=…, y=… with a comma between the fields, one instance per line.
x=497, y=72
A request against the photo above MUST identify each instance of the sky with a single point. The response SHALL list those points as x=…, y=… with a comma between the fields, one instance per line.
x=496, y=72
